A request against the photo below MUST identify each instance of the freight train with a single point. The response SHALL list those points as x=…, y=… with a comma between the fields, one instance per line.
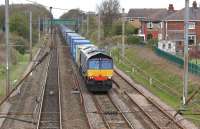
x=95, y=66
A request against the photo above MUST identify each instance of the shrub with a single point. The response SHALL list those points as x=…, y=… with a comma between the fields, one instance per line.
x=130, y=29
x=152, y=42
x=133, y=39
x=19, y=24
x=2, y=69
x=21, y=45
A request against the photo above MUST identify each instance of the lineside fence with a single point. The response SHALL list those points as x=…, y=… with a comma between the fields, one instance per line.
x=193, y=68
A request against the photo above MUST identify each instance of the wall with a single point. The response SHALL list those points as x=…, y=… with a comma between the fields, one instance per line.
x=179, y=25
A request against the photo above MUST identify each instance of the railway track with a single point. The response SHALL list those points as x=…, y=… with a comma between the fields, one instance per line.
x=103, y=110
x=50, y=110
x=112, y=116
x=156, y=115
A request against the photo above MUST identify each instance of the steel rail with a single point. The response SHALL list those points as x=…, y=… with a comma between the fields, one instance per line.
x=129, y=124
x=143, y=111
x=53, y=66
x=77, y=87
x=42, y=95
x=58, y=106
x=102, y=113
x=59, y=91
x=171, y=118
x=123, y=114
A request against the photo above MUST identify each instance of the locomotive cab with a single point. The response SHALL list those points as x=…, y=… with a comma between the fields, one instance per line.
x=99, y=73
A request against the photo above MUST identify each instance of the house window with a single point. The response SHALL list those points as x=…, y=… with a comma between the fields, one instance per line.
x=169, y=46
x=131, y=19
x=150, y=25
x=192, y=40
x=163, y=46
x=191, y=25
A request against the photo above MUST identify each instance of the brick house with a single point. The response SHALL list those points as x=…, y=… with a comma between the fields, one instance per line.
x=150, y=21
x=174, y=27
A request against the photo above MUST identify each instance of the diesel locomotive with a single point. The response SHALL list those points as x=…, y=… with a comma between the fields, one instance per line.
x=95, y=65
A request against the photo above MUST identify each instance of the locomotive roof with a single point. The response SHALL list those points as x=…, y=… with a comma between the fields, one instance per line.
x=78, y=37
x=94, y=52
x=82, y=41
x=88, y=48
x=73, y=34
x=100, y=54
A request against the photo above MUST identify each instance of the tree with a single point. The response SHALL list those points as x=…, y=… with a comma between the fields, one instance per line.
x=72, y=14
x=2, y=18
x=194, y=53
x=75, y=14
x=129, y=28
x=19, y=24
x=110, y=11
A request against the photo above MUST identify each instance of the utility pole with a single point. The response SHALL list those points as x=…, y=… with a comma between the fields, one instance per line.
x=87, y=24
x=78, y=25
x=99, y=27
x=82, y=19
x=45, y=25
x=123, y=33
x=39, y=29
x=186, y=23
x=51, y=27
x=30, y=36
x=7, y=47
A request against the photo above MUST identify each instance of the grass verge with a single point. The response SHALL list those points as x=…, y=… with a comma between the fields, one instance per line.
x=162, y=83
x=16, y=70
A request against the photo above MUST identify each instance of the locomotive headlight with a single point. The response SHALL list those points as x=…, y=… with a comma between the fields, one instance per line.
x=109, y=77
x=91, y=77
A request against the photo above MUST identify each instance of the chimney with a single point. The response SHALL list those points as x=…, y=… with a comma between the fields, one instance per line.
x=171, y=8
x=194, y=4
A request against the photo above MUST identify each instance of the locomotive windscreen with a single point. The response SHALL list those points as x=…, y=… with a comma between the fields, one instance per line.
x=100, y=63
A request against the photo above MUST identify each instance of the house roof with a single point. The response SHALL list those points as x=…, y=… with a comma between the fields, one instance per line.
x=194, y=14
x=149, y=14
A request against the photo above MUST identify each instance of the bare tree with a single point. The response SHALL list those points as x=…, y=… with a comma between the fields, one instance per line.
x=194, y=53
x=110, y=11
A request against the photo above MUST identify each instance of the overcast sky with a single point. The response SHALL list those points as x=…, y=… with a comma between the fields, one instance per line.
x=90, y=5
